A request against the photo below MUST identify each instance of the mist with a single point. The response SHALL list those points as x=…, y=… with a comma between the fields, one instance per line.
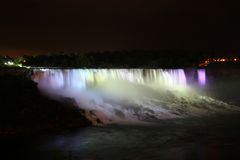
x=134, y=96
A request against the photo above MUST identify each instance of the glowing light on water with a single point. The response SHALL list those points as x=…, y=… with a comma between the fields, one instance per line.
x=201, y=76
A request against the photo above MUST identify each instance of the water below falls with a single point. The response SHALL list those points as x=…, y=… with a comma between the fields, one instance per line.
x=132, y=95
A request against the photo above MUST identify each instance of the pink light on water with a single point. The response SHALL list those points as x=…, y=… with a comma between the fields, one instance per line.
x=201, y=76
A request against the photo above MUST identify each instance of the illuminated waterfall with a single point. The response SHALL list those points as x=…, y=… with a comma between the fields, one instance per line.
x=82, y=78
x=130, y=95
x=201, y=76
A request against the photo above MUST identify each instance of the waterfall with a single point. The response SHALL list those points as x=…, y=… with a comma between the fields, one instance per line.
x=201, y=76
x=82, y=78
x=131, y=95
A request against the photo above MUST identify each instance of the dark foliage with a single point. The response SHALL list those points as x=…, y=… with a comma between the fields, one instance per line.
x=117, y=59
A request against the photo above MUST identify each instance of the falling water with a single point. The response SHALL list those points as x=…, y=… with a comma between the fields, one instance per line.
x=130, y=95
x=83, y=78
x=201, y=76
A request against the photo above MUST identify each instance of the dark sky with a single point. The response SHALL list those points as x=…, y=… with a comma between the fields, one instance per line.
x=38, y=26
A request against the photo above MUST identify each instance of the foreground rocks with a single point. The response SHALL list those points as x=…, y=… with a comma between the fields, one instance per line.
x=24, y=110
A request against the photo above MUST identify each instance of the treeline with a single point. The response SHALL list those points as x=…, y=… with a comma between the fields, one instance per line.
x=2, y=60
x=117, y=59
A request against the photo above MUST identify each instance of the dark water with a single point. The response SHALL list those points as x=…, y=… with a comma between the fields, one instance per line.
x=205, y=138
x=224, y=85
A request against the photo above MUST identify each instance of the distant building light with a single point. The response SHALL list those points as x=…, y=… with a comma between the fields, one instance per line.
x=10, y=63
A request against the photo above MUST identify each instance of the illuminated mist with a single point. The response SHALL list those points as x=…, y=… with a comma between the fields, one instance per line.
x=132, y=95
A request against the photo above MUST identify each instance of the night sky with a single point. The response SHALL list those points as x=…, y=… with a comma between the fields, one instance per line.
x=37, y=26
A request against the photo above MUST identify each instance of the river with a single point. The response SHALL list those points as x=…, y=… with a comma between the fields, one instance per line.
x=175, y=114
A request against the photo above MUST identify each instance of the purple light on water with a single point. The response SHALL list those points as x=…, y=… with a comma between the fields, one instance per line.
x=201, y=76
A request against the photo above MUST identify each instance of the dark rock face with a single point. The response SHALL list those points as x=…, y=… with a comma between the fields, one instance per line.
x=24, y=110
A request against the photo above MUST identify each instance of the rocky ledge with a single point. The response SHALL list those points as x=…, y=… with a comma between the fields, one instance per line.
x=23, y=109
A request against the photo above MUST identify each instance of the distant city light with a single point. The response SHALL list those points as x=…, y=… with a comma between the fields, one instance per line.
x=9, y=63
x=206, y=62
x=16, y=64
